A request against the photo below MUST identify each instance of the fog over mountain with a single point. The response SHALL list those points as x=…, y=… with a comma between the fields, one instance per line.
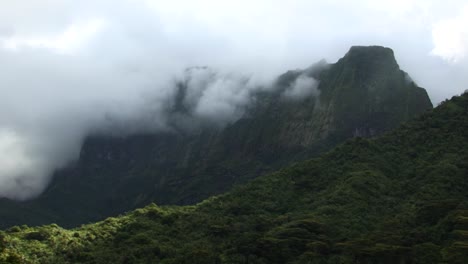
x=70, y=68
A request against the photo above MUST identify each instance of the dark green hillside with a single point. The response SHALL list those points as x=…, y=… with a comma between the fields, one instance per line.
x=363, y=94
x=400, y=198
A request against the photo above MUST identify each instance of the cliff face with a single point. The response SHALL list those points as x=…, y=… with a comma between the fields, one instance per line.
x=366, y=93
x=363, y=94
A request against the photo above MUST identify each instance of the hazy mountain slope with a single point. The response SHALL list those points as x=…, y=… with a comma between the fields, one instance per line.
x=363, y=94
x=400, y=198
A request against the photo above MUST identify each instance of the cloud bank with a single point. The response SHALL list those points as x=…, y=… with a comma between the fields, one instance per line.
x=450, y=37
x=70, y=68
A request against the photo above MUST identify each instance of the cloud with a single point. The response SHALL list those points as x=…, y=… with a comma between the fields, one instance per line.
x=218, y=97
x=450, y=37
x=12, y=145
x=74, y=36
x=302, y=87
x=70, y=68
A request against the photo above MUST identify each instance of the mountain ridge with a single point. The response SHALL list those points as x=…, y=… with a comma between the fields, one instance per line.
x=114, y=174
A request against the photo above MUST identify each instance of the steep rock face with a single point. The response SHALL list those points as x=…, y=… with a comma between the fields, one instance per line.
x=366, y=93
x=363, y=94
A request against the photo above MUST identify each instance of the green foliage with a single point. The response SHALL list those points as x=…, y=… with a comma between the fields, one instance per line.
x=400, y=198
x=426, y=253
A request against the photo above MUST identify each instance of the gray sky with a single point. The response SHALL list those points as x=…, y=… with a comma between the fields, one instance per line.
x=66, y=66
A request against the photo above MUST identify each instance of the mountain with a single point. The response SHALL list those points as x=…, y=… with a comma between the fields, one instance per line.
x=363, y=94
x=398, y=198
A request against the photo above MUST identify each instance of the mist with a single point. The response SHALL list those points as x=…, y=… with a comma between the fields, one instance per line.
x=69, y=68
x=302, y=87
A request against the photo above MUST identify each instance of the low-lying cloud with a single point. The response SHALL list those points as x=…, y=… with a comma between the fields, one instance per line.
x=303, y=87
x=216, y=97
x=70, y=68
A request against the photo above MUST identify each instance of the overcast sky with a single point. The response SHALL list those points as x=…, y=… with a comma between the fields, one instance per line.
x=65, y=64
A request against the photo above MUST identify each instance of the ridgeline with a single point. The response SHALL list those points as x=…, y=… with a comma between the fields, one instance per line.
x=364, y=94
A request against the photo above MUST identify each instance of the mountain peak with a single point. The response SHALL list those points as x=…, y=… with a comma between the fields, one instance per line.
x=368, y=90
x=371, y=57
x=371, y=49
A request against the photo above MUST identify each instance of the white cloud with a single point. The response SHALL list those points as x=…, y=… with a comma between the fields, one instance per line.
x=71, y=39
x=450, y=37
x=302, y=87
x=15, y=155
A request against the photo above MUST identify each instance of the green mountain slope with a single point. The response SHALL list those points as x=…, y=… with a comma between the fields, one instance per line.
x=363, y=94
x=399, y=198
